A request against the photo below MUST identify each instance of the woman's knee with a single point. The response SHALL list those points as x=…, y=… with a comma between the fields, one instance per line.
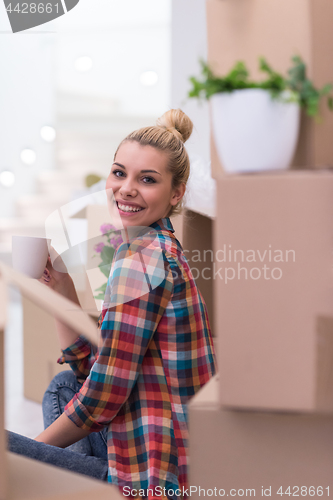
x=60, y=391
x=64, y=378
x=63, y=385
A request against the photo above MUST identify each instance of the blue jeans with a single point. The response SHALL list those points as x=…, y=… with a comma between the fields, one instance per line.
x=88, y=456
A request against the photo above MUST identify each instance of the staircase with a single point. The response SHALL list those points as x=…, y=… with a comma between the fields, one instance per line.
x=89, y=130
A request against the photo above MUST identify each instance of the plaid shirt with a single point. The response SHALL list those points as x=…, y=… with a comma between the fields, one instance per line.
x=155, y=352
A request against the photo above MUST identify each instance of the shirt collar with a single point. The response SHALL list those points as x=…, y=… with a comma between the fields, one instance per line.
x=163, y=224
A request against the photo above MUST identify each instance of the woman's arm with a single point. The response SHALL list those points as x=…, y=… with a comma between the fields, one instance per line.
x=62, y=433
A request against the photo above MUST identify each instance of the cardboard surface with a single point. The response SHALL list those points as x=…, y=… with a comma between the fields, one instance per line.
x=41, y=348
x=277, y=30
x=178, y=225
x=274, y=290
x=244, y=450
x=198, y=249
x=50, y=301
x=33, y=480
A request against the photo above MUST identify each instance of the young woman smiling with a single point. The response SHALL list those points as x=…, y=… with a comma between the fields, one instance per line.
x=121, y=413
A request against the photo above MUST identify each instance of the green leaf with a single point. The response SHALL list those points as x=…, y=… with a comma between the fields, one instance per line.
x=99, y=297
x=239, y=73
x=326, y=89
x=264, y=66
x=101, y=288
x=330, y=103
x=107, y=254
x=105, y=268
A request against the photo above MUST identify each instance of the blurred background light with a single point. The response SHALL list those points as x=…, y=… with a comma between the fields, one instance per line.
x=7, y=178
x=48, y=133
x=149, y=78
x=83, y=64
x=28, y=156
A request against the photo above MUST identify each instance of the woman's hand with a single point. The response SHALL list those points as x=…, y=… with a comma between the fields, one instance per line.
x=56, y=277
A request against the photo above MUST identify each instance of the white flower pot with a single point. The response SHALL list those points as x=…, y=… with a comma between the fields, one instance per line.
x=254, y=132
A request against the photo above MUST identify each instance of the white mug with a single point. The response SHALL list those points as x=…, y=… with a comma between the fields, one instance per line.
x=29, y=255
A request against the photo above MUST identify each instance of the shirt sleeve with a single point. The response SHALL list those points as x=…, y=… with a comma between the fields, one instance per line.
x=80, y=356
x=139, y=289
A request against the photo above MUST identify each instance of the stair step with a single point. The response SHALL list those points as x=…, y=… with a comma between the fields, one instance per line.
x=83, y=149
x=40, y=205
x=91, y=155
x=60, y=181
x=87, y=167
x=21, y=226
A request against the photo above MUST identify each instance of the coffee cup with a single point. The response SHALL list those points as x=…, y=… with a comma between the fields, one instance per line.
x=29, y=255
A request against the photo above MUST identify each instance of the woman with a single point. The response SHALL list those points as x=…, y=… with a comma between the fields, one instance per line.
x=129, y=416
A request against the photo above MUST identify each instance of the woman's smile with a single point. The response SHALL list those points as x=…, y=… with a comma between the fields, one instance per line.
x=128, y=209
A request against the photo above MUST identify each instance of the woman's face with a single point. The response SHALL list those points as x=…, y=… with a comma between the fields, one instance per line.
x=140, y=181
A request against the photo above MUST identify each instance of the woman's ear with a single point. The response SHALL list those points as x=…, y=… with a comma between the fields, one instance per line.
x=178, y=193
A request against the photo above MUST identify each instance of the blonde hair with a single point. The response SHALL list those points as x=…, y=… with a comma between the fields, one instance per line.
x=169, y=134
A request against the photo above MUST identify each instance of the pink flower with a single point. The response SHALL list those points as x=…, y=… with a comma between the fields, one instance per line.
x=116, y=240
x=106, y=228
x=99, y=247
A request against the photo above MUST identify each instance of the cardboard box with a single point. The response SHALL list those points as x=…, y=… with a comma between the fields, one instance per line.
x=273, y=286
x=198, y=248
x=32, y=480
x=244, y=453
x=277, y=29
x=178, y=224
x=41, y=348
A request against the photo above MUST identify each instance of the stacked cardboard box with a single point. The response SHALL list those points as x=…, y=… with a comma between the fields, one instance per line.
x=274, y=290
x=263, y=426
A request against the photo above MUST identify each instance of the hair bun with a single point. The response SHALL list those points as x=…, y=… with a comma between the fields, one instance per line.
x=176, y=122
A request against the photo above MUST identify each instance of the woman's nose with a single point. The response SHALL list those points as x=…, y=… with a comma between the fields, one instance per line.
x=128, y=188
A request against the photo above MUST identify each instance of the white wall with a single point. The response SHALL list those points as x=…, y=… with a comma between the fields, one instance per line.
x=26, y=104
x=188, y=44
x=123, y=39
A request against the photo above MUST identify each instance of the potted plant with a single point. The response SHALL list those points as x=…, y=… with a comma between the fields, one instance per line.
x=256, y=124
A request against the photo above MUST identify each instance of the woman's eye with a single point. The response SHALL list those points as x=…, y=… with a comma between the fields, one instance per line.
x=115, y=172
x=149, y=180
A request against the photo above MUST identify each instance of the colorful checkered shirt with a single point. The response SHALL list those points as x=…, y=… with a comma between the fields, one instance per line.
x=155, y=352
